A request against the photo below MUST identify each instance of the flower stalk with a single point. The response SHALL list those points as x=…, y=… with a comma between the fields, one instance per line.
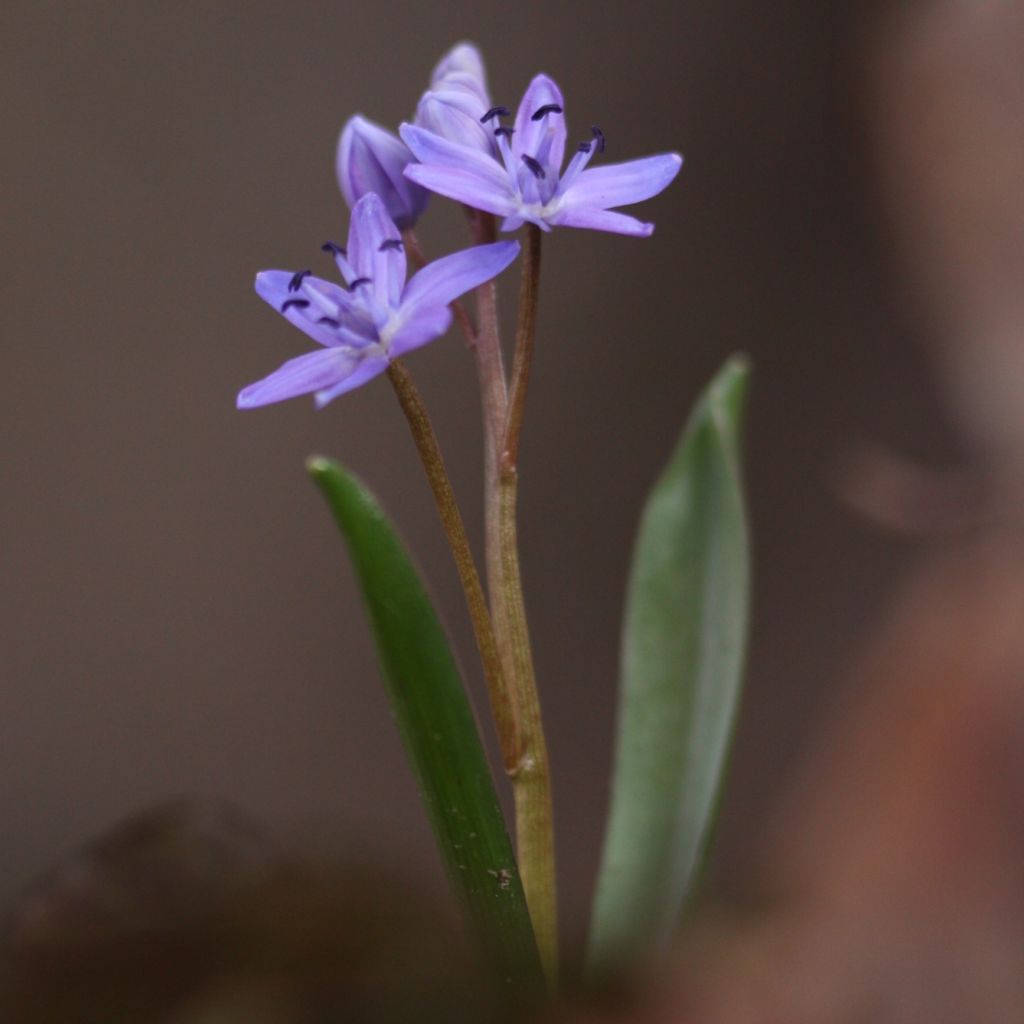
x=504, y=708
x=526, y=329
x=494, y=403
x=531, y=781
x=503, y=416
x=502, y=631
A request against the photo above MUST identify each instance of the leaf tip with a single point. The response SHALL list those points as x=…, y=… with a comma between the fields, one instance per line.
x=318, y=465
x=727, y=393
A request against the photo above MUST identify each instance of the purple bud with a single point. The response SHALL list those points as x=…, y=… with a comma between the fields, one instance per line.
x=457, y=99
x=371, y=159
x=462, y=67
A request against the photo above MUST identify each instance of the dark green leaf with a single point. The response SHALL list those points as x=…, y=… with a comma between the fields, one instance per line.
x=684, y=641
x=437, y=727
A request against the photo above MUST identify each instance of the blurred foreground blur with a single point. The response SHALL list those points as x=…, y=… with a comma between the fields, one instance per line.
x=186, y=914
x=892, y=890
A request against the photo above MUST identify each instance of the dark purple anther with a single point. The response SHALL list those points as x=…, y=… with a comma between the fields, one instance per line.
x=548, y=108
x=357, y=282
x=507, y=132
x=296, y=282
x=334, y=248
x=298, y=303
x=328, y=321
x=393, y=244
x=494, y=112
x=583, y=147
x=598, y=137
x=535, y=168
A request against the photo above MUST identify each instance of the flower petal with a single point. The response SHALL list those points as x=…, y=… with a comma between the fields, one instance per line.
x=322, y=299
x=601, y=220
x=455, y=114
x=465, y=187
x=372, y=251
x=444, y=280
x=366, y=370
x=622, y=184
x=544, y=139
x=427, y=324
x=434, y=151
x=310, y=372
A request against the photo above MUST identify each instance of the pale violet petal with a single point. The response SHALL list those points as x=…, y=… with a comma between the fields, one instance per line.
x=459, y=99
x=621, y=184
x=455, y=114
x=365, y=371
x=273, y=286
x=444, y=280
x=601, y=220
x=511, y=223
x=313, y=371
x=375, y=250
x=544, y=139
x=432, y=150
x=465, y=187
x=427, y=324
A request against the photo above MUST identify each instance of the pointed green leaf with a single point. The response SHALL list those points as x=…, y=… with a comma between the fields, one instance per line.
x=437, y=727
x=684, y=641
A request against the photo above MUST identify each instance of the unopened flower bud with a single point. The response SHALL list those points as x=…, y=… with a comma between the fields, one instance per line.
x=457, y=100
x=371, y=159
x=462, y=67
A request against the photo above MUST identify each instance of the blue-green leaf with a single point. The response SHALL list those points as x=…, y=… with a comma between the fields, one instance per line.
x=684, y=642
x=437, y=727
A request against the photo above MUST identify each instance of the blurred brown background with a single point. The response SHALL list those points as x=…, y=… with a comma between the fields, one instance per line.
x=178, y=615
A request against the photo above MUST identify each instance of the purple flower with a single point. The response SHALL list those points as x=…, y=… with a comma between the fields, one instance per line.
x=454, y=105
x=377, y=318
x=372, y=159
x=525, y=182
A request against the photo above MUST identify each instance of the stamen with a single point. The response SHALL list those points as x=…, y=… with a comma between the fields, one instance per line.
x=584, y=151
x=493, y=113
x=334, y=248
x=548, y=108
x=598, y=137
x=390, y=244
x=298, y=303
x=329, y=321
x=535, y=168
x=357, y=282
x=296, y=282
x=507, y=132
x=511, y=169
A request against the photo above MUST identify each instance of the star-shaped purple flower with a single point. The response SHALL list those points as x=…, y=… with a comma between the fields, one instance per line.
x=376, y=318
x=526, y=182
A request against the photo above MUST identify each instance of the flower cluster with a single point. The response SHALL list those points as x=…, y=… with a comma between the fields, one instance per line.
x=460, y=148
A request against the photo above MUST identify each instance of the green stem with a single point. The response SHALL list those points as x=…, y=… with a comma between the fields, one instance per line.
x=506, y=712
x=531, y=781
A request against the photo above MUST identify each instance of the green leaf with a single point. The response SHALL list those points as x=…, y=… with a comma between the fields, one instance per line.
x=684, y=642
x=437, y=727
